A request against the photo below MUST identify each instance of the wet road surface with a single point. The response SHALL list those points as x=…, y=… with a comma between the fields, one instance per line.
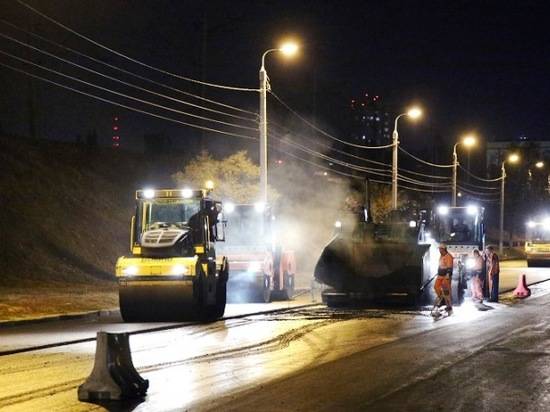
x=310, y=358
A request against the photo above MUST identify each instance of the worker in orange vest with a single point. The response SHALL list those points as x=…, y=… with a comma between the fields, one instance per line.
x=442, y=285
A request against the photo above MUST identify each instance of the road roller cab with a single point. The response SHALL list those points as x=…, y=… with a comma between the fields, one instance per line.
x=173, y=272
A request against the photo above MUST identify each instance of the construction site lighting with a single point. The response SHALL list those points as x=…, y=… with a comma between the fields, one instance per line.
x=443, y=210
x=472, y=209
x=531, y=224
x=149, y=193
x=187, y=193
x=228, y=207
x=254, y=266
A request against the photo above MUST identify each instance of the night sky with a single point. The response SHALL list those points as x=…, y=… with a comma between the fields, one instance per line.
x=472, y=65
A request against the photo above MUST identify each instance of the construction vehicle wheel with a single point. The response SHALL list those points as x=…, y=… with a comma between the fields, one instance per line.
x=266, y=289
x=288, y=290
x=221, y=289
x=126, y=310
x=221, y=298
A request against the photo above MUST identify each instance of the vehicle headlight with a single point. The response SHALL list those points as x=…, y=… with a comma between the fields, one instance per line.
x=470, y=263
x=130, y=270
x=443, y=210
x=179, y=270
x=254, y=266
x=149, y=193
x=187, y=193
x=229, y=207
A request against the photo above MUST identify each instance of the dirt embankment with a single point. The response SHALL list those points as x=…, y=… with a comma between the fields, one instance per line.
x=65, y=211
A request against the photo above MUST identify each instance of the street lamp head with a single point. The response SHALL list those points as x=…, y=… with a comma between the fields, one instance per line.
x=539, y=165
x=414, y=112
x=513, y=158
x=289, y=48
x=469, y=141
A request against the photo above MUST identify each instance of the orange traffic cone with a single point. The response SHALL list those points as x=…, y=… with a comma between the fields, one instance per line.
x=522, y=291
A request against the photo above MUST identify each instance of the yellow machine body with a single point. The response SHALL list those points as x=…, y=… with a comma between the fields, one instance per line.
x=161, y=285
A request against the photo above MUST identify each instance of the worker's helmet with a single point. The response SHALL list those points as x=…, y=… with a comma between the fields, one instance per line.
x=442, y=246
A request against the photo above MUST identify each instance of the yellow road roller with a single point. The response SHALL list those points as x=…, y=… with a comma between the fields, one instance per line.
x=173, y=273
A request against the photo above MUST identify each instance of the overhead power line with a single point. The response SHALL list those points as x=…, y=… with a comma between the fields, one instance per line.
x=134, y=86
x=411, y=188
x=287, y=132
x=475, y=192
x=477, y=177
x=135, y=75
x=351, y=166
x=372, y=171
x=316, y=128
x=422, y=160
x=196, y=126
x=124, y=56
x=338, y=172
x=421, y=183
x=479, y=187
x=125, y=95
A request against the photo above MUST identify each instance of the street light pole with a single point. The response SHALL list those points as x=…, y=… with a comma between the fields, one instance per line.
x=502, y=185
x=264, y=87
x=467, y=141
x=395, y=142
x=455, y=166
x=513, y=158
x=288, y=49
x=413, y=113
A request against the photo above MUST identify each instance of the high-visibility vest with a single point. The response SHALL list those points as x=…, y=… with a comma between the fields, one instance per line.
x=445, y=264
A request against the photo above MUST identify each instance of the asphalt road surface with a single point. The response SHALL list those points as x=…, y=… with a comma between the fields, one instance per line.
x=305, y=358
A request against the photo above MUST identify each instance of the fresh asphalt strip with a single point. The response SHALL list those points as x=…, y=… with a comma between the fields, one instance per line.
x=155, y=329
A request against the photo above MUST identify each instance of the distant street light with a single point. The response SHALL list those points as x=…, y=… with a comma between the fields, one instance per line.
x=467, y=141
x=288, y=49
x=414, y=113
x=513, y=158
x=539, y=165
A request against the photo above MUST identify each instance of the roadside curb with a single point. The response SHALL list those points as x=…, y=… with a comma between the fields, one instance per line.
x=99, y=314
x=66, y=316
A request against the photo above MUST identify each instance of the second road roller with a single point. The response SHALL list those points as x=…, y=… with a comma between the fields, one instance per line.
x=173, y=272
